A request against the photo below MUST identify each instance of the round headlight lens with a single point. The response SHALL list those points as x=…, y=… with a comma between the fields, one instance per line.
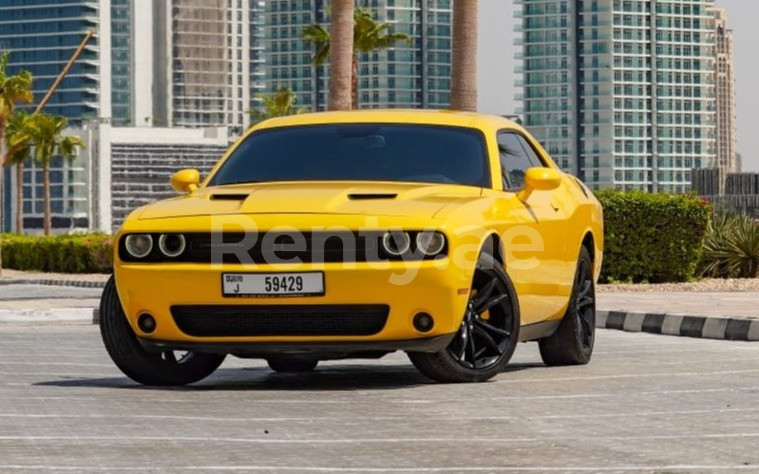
x=172, y=245
x=430, y=243
x=139, y=245
x=396, y=243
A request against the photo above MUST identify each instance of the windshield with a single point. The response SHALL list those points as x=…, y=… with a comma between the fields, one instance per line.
x=359, y=152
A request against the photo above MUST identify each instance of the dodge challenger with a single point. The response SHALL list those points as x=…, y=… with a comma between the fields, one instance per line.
x=450, y=236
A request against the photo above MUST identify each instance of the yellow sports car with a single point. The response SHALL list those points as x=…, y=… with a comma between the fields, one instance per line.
x=450, y=236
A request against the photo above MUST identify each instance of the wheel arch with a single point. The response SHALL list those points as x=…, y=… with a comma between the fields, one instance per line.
x=493, y=246
x=589, y=242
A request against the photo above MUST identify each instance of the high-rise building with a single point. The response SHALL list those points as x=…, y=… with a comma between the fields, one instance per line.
x=202, y=63
x=621, y=93
x=257, y=53
x=406, y=75
x=41, y=36
x=725, y=93
x=121, y=61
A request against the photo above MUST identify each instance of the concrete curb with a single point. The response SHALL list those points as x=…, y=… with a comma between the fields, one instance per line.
x=50, y=316
x=50, y=282
x=703, y=327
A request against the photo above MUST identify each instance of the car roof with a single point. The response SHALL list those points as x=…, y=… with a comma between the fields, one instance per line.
x=412, y=116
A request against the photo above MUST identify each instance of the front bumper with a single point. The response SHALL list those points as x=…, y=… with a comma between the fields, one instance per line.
x=437, y=288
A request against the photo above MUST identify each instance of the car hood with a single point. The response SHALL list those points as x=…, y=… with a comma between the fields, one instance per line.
x=388, y=199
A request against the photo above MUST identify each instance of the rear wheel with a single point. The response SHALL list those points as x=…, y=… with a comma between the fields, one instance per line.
x=572, y=343
x=292, y=364
x=488, y=333
x=168, y=368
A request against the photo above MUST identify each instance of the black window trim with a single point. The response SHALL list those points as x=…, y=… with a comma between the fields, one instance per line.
x=527, y=140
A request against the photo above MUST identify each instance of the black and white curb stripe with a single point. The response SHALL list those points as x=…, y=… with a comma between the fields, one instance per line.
x=729, y=329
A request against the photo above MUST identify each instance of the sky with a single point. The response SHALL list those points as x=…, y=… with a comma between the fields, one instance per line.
x=496, y=75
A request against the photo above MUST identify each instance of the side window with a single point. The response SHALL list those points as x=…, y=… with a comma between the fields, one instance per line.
x=531, y=153
x=515, y=159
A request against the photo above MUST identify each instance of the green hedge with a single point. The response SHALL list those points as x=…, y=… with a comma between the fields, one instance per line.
x=59, y=254
x=652, y=238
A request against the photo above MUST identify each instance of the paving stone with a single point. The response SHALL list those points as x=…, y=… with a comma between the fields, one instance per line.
x=646, y=403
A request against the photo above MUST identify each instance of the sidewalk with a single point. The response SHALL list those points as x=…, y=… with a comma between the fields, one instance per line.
x=716, y=305
x=709, y=315
x=24, y=303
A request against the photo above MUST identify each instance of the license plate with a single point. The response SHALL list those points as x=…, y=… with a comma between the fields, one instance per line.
x=246, y=285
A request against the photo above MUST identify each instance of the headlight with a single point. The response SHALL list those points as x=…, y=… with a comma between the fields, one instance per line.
x=171, y=245
x=139, y=245
x=396, y=243
x=430, y=243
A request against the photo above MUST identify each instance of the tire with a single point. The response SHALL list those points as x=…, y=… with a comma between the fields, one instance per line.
x=494, y=329
x=572, y=343
x=147, y=368
x=292, y=364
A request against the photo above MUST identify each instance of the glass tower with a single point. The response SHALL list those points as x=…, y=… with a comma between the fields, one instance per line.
x=257, y=53
x=210, y=76
x=621, y=93
x=405, y=76
x=41, y=36
x=121, y=62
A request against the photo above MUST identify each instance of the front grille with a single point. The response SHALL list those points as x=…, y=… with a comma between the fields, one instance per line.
x=280, y=320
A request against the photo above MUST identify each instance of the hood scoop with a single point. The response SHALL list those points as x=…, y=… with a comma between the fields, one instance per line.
x=229, y=197
x=371, y=196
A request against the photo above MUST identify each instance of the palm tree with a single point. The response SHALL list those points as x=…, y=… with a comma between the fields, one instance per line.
x=368, y=36
x=17, y=141
x=278, y=104
x=46, y=135
x=13, y=90
x=340, y=56
x=464, y=67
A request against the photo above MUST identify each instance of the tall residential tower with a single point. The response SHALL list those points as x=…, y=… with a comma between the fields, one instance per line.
x=726, y=120
x=621, y=93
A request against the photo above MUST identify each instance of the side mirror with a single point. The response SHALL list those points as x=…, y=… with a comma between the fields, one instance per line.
x=539, y=179
x=185, y=181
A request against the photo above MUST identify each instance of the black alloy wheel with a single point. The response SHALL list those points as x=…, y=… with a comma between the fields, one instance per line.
x=488, y=333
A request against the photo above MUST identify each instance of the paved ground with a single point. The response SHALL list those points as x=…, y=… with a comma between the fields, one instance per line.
x=646, y=403
x=720, y=305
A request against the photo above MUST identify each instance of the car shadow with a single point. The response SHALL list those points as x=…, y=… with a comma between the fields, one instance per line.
x=324, y=378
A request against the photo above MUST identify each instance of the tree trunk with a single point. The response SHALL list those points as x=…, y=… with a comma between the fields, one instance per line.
x=2, y=182
x=48, y=211
x=464, y=67
x=354, y=83
x=341, y=55
x=20, y=198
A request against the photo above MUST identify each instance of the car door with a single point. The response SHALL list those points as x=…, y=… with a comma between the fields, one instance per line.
x=533, y=235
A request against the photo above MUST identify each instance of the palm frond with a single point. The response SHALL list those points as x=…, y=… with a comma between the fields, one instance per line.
x=280, y=103
x=318, y=36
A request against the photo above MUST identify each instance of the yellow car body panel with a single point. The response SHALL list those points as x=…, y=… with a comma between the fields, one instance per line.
x=468, y=216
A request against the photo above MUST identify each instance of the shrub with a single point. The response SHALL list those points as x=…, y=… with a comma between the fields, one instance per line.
x=60, y=254
x=652, y=238
x=731, y=249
